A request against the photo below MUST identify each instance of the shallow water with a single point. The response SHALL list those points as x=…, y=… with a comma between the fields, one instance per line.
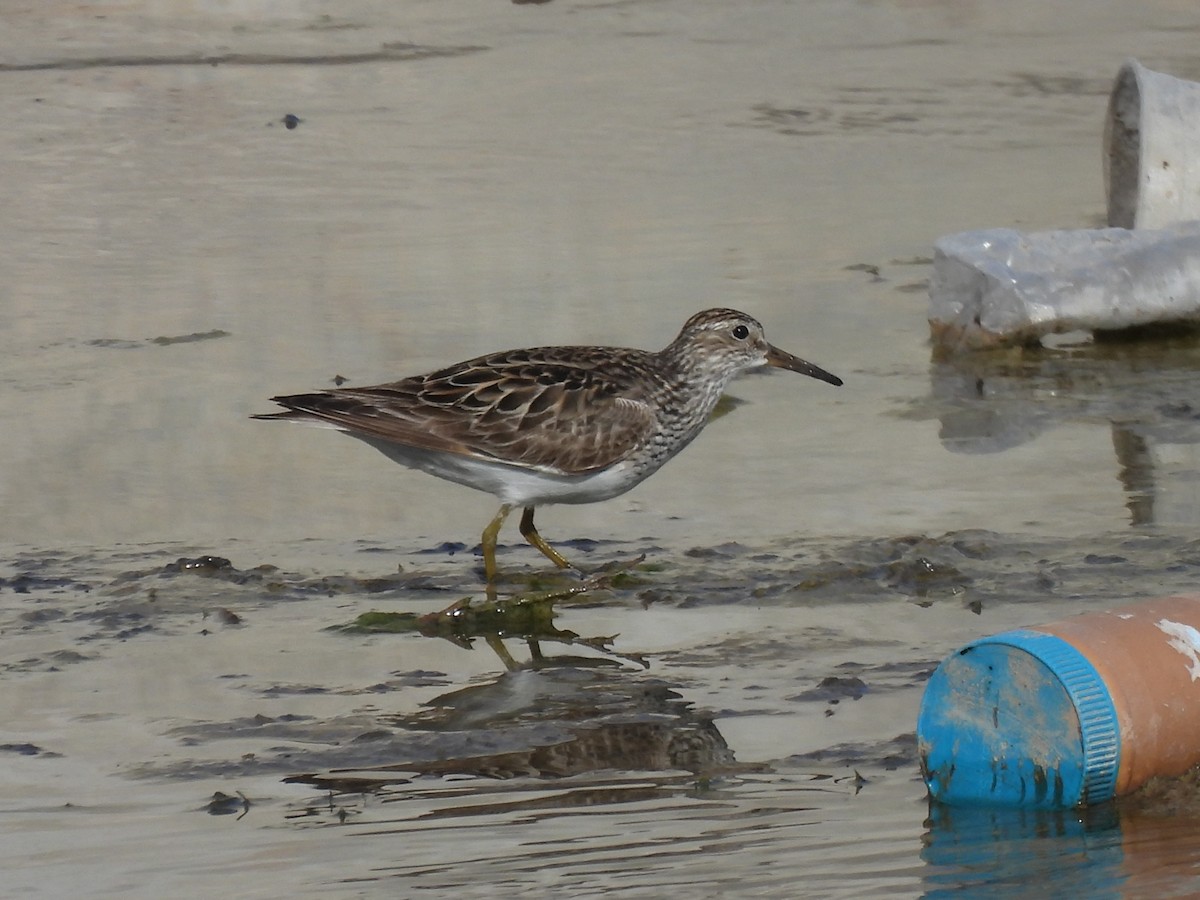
x=748, y=728
x=735, y=716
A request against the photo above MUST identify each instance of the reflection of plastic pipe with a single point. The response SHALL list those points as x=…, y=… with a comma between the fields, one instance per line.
x=1066, y=714
x=1151, y=152
x=991, y=852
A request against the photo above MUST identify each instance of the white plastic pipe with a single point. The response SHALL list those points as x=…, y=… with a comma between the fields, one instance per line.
x=1152, y=149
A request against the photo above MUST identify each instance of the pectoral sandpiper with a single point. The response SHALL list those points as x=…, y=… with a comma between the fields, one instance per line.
x=552, y=424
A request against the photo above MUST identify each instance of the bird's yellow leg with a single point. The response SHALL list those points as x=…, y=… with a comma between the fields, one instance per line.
x=489, y=542
x=531, y=534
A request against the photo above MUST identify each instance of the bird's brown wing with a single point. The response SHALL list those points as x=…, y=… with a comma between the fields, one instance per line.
x=569, y=411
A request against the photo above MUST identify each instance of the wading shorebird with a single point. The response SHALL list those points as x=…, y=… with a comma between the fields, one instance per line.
x=552, y=424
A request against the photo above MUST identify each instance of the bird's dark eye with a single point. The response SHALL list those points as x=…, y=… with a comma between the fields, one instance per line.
x=741, y=332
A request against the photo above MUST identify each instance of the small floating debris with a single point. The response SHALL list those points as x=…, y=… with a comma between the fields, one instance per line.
x=161, y=341
x=189, y=338
x=527, y=616
x=222, y=804
x=200, y=565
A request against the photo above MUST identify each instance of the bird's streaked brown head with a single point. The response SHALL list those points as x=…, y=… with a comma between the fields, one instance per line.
x=737, y=338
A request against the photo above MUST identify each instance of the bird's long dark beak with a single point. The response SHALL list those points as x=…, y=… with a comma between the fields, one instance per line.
x=781, y=359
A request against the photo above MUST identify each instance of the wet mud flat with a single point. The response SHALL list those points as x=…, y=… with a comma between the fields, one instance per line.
x=708, y=695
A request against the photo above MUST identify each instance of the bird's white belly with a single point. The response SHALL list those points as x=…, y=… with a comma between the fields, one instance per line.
x=514, y=485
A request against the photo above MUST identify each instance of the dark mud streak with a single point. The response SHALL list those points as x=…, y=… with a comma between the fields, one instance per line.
x=398, y=53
